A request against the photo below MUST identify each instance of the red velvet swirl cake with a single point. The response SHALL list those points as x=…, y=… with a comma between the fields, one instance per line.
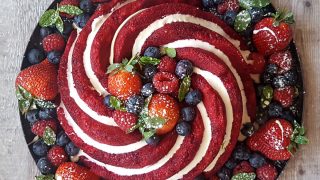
x=152, y=89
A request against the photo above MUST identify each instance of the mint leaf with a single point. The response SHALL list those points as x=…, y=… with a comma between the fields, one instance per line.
x=116, y=103
x=244, y=176
x=301, y=140
x=59, y=24
x=24, y=106
x=248, y=4
x=19, y=95
x=267, y=92
x=70, y=9
x=25, y=93
x=45, y=104
x=49, y=136
x=45, y=177
x=113, y=67
x=245, y=4
x=171, y=52
x=184, y=88
x=242, y=21
x=147, y=134
x=129, y=68
x=144, y=60
x=49, y=18
x=153, y=122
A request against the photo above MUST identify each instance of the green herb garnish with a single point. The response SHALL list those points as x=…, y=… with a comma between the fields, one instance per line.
x=184, y=88
x=244, y=176
x=49, y=136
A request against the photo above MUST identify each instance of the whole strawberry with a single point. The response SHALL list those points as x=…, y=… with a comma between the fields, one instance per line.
x=273, y=34
x=53, y=42
x=39, y=127
x=71, y=170
x=267, y=172
x=284, y=96
x=125, y=120
x=164, y=106
x=40, y=80
x=273, y=139
x=57, y=155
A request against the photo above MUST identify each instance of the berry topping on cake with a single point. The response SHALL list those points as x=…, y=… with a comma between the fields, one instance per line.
x=135, y=104
x=149, y=71
x=40, y=148
x=147, y=89
x=267, y=172
x=165, y=82
x=243, y=167
x=273, y=33
x=45, y=166
x=284, y=96
x=184, y=68
x=125, y=120
x=53, y=42
x=167, y=64
x=283, y=60
x=228, y=5
x=188, y=114
x=166, y=107
x=71, y=149
x=70, y=170
x=259, y=63
x=57, y=156
x=68, y=3
x=183, y=128
x=35, y=56
x=193, y=97
x=39, y=127
x=153, y=52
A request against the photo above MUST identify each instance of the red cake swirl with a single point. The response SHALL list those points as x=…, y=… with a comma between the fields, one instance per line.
x=119, y=30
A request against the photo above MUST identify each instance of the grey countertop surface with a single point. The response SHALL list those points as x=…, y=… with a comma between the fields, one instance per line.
x=17, y=21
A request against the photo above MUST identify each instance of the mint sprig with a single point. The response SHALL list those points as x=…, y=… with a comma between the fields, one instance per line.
x=52, y=16
x=248, y=4
x=298, y=137
x=127, y=65
x=49, y=136
x=117, y=103
x=171, y=52
x=45, y=177
x=29, y=102
x=244, y=176
x=242, y=21
x=283, y=16
x=184, y=88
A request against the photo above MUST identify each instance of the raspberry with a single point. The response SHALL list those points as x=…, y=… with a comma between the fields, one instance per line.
x=53, y=42
x=125, y=120
x=165, y=82
x=57, y=155
x=39, y=127
x=228, y=5
x=283, y=60
x=243, y=167
x=167, y=64
x=267, y=172
x=284, y=96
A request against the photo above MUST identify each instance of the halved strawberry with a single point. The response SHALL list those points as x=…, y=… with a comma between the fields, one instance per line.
x=40, y=80
x=39, y=127
x=283, y=60
x=57, y=155
x=71, y=170
x=273, y=34
x=125, y=120
x=273, y=139
x=124, y=84
x=164, y=106
x=284, y=96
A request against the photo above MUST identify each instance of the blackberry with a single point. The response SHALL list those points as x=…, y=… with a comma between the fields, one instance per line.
x=275, y=110
x=241, y=152
x=272, y=69
x=279, y=82
x=287, y=115
x=262, y=117
x=291, y=77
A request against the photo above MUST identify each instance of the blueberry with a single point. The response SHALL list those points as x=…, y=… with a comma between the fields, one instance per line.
x=147, y=89
x=135, y=104
x=291, y=77
x=188, y=114
x=39, y=148
x=153, y=140
x=241, y=152
x=87, y=6
x=200, y=177
x=47, y=113
x=224, y=174
x=288, y=115
x=275, y=110
x=256, y=14
x=71, y=149
x=230, y=17
x=32, y=116
x=62, y=139
x=54, y=57
x=256, y=160
x=107, y=102
x=183, y=128
x=45, y=166
x=267, y=78
x=81, y=20
x=184, y=68
x=149, y=72
x=45, y=31
x=272, y=69
x=247, y=129
x=193, y=97
x=68, y=28
x=231, y=163
x=152, y=52
x=35, y=56
x=279, y=82
x=210, y=3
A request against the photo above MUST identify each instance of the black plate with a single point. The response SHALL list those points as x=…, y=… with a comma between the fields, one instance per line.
x=35, y=42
